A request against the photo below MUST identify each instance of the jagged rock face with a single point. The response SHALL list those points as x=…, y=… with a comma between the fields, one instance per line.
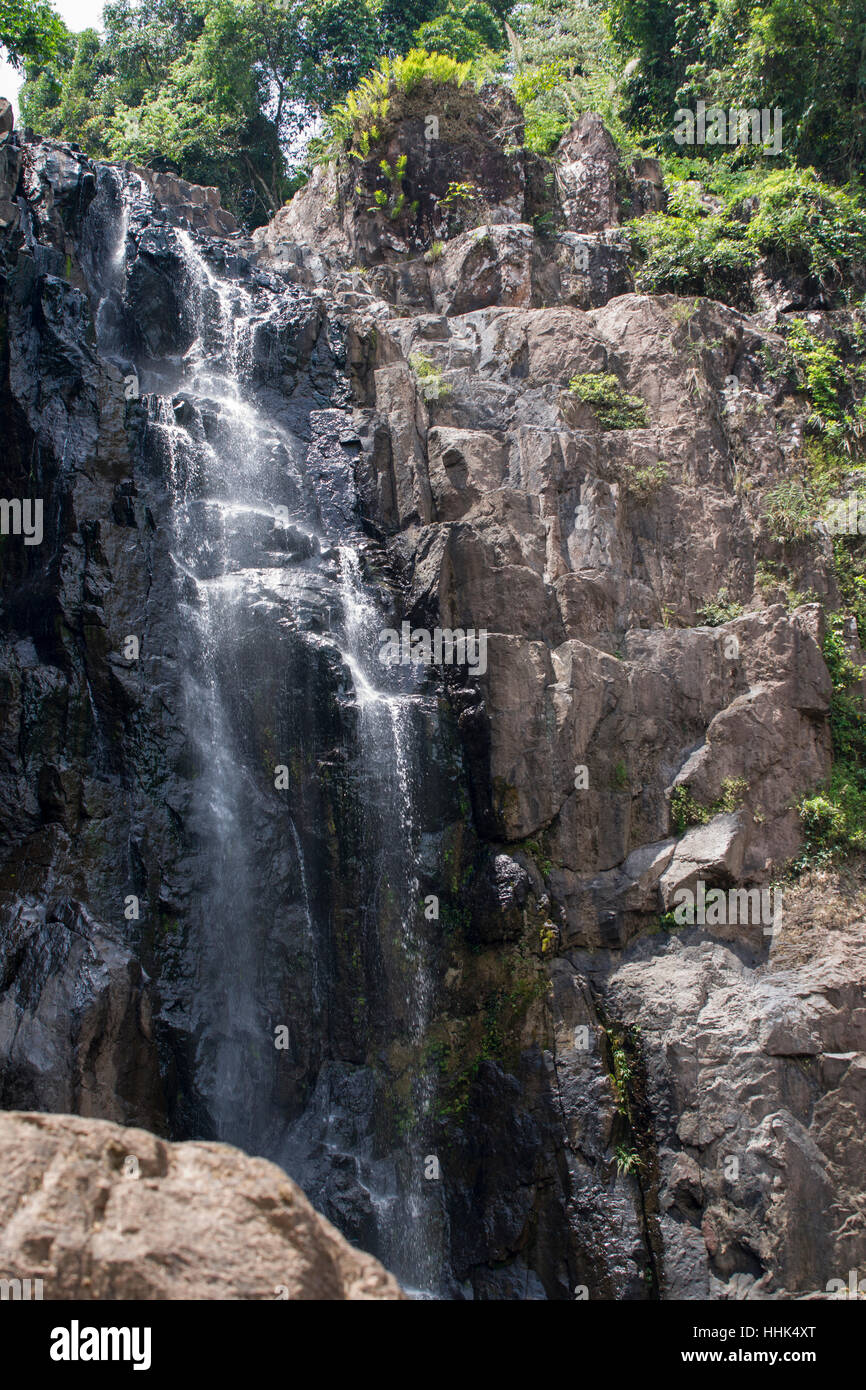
x=537, y=530
x=99, y=1211
x=460, y=234
x=428, y=393
x=76, y=1027
x=188, y=204
x=755, y=1074
x=588, y=553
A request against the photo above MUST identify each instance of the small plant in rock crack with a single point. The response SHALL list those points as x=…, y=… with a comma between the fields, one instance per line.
x=627, y=1160
x=788, y=511
x=459, y=203
x=685, y=811
x=548, y=937
x=458, y=193
x=391, y=199
x=613, y=408
x=621, y=1072
x=643, y=483
x=435, y=252
x=429, y=377
x=720, y=610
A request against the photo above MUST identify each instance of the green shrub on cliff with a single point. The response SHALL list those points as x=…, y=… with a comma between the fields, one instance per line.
x=691, y=252
x=809, y=224
x=789, y=511
x=613, y=408
x=834, y=816
x=720, y=610
x=789, y=215
x=429, y=377
x=361, y=121
x=686, y=811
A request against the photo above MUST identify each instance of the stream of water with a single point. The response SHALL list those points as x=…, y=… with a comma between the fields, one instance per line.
x=270, y=581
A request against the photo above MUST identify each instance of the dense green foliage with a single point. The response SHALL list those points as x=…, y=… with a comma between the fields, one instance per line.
x=834, y=818
x=229, y=91
x=467, y=31
x=217, y=89
x=565, y=63
x=789, y=215
x=685, y=811
x=29, y=31
x=807, y=59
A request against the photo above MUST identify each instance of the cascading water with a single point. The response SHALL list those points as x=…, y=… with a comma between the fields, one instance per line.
x=305, y=751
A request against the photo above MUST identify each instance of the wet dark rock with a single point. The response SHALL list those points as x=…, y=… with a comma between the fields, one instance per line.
x=189, y=204
x=76, y=1018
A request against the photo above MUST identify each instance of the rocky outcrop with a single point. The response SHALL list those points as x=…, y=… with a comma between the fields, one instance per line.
x=755, y=1080
x=590, y=547
x=189, y=204
x=531, y=449
x=98, y=1211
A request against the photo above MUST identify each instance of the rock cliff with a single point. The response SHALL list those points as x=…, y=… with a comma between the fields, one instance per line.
x=510, y=439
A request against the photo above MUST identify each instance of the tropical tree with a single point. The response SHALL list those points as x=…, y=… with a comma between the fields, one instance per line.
x=29, y=29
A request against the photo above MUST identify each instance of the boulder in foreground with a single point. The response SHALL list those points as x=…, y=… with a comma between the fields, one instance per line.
x=99, y=1211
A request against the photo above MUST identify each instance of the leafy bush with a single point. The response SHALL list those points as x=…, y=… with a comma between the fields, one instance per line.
x=790, y=215
x=849, y=563
x=809, y=224
x=834, y=817
x=719, y=611
x=823, y=820
x=833, y=388
x=627, y=1160
x=690, y=257
x=644, y=482
x=689, y=250
x=429, y=376
x=361, y=121
x=613, y=408
x=847, y=717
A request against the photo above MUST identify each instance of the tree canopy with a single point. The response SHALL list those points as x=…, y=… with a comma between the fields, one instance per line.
x=29, y=29
x=227, y=91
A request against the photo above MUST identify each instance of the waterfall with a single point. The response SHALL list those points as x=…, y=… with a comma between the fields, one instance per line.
x=302, y=752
